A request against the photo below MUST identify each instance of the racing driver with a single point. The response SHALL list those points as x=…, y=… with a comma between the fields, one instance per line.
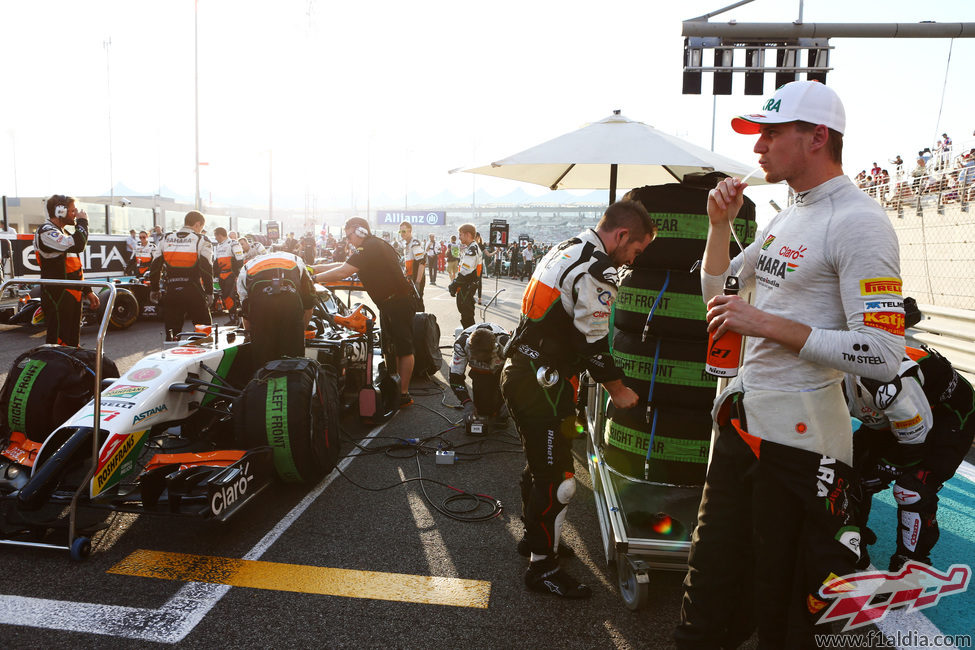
x=564, y=328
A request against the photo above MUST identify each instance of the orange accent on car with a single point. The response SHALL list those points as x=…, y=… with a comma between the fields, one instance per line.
x=220, y=458
x=21, y=449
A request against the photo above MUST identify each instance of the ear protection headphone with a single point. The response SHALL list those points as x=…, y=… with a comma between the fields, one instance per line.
x=61, y=211
x=361, y=232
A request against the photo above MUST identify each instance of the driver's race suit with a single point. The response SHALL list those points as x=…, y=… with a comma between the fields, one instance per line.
x=778, y=514
x=485, y=377
x=564, y=326
x=916, y=431
x=57, y=253
x=183, y=268
x=143, y=257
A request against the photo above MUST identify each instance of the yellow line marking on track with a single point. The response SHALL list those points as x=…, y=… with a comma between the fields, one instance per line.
x=349, y=583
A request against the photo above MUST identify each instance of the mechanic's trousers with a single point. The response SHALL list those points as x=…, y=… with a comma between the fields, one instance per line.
x=228, y=292
x=182, y=302
x=545, y=419
x=277, y=327
x=486, y=387
x=62, y=314
x=774, y=524
x=465, y=303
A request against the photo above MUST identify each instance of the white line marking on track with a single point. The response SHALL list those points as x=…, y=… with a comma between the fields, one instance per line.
x=172, y=622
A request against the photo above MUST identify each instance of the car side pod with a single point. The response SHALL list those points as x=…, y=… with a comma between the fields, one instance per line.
x=49, y=473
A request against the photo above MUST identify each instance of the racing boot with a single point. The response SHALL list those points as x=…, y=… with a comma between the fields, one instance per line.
x=898, y=560
x=548, y=577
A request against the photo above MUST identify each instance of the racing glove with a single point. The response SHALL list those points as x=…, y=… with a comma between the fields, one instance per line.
x=452, y=288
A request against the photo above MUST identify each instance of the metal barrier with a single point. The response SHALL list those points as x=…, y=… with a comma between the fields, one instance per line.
x=952, y=332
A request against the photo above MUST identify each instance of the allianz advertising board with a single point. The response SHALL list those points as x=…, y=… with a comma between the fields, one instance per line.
x=415, y=217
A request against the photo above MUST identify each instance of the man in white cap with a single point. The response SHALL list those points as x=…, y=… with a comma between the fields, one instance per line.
x=778, y=514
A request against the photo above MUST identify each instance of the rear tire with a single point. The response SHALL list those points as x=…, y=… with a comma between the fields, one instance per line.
x=125, y=311
x=292, y=406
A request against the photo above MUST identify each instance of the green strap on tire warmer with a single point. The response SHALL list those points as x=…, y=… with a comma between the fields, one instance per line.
x=17, y=409
x=664, y=448
x=276, y=426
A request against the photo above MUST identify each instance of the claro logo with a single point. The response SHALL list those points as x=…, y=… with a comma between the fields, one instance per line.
x=228, y=495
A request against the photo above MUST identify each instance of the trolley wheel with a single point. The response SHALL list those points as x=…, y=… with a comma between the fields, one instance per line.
x=80, y=548
x=634, y=584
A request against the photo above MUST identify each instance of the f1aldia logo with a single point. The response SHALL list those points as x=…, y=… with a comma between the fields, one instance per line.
x=865, y=598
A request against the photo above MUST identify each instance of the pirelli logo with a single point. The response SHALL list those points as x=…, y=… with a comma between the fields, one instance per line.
x=879, y=286
x=889, y=321
x=905, y=424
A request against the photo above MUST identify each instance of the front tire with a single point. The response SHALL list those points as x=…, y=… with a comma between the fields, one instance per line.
x=125, y=311
x=292, y=406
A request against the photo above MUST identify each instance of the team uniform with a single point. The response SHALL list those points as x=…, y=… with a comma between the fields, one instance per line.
x=485, y=377
x=182, y=266
x=781, y=495
x=143, y=257
x=413, y=258
x=275, y=290
x=916, y=432
x=256, y=250
x=228, y=257
x=57, y=253
x=465, y=284
x=564, y=326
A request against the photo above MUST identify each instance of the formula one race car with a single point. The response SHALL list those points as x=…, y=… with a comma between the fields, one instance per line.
x=132, y=300
x=196, y=429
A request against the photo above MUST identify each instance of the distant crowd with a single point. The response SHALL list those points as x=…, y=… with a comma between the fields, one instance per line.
x=942, y=171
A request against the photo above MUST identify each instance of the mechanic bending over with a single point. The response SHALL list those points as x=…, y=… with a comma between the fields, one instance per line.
x=378, y=267
x=916, y=431
x=564, y=328
x=278, y=295
x=464, y=286
x=778, y=513
x=183, y=267
x=228, y=257
x=479, y=346
x=251, y=247
x=57, y=254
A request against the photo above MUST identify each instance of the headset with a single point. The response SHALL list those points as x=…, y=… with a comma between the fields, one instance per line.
x=61, y=211
x=361, y=232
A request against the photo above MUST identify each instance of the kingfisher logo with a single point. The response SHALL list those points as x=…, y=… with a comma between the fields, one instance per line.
x=866, y=598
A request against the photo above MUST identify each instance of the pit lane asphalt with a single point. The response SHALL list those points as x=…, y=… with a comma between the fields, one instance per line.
x=395, y=530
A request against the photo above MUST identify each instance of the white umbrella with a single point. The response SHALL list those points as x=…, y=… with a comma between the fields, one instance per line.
x=613, y=152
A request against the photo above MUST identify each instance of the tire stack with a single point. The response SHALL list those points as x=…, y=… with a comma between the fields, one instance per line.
x=664, y=359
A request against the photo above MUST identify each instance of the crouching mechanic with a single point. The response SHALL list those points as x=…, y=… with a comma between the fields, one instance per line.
x=564, y=329
x=917, y=430
x=277, y=293
x=480, y=347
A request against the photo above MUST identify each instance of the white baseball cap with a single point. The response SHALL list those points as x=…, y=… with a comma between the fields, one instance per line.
x=809, y=101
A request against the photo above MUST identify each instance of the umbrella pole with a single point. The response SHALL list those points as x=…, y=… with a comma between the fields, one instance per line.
x=613, y=171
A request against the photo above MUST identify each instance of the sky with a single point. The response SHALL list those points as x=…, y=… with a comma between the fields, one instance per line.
x=343, y=104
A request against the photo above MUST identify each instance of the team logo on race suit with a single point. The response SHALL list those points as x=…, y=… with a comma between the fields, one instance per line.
x=605, y=297
x=144, y=374
x=879, y=286
x=882, y=305
x=124, y=390
x=768, y=242
x=888, y=321
x=866, y=598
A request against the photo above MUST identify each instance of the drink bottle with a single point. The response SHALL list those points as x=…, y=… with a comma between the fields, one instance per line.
x=724, y=355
